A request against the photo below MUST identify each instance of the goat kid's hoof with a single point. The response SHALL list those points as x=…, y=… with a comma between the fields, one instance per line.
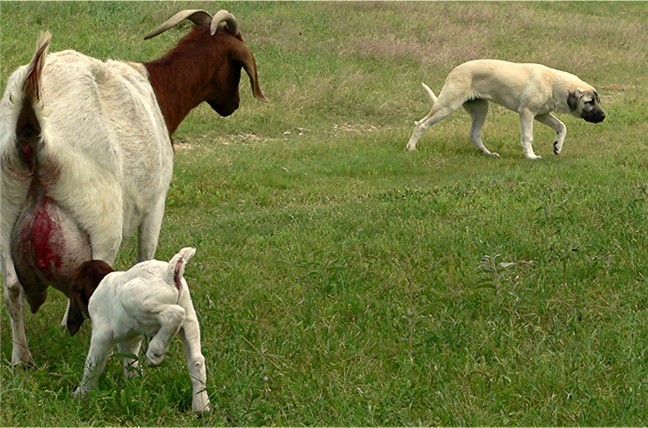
x=79, y=393
x=154, y=360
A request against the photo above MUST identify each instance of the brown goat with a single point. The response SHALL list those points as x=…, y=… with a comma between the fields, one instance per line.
x=202, y=67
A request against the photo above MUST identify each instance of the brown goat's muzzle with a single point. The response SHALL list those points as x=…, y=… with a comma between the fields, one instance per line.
x=224, y=109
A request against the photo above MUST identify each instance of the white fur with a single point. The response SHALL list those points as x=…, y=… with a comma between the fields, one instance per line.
x=103, y=129
x=145, y=301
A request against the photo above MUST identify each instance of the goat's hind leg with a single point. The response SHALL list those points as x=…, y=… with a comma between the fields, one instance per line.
x=170, y=320
x=190, y=333
x=129, y=351
x=478, y=109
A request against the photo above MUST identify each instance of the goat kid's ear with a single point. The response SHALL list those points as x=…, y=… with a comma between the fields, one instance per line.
x=76, y=313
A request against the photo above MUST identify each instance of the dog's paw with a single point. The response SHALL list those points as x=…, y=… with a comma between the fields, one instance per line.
x=556, y=148
x=410, y=148
x=534, y=157
x=495, y=155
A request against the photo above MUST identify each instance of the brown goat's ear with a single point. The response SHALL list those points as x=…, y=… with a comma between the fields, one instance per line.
x=245, y=57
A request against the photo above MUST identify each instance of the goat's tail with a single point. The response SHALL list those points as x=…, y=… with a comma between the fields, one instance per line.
x=176, y=268
x=28, y=126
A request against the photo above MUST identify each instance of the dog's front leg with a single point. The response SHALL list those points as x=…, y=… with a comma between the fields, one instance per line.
x=526, y=128
x=554, y=123
x=100, y=349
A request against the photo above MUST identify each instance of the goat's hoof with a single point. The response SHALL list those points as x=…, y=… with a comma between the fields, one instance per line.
x=79, y=393
x=200, y=408
x=154, y=360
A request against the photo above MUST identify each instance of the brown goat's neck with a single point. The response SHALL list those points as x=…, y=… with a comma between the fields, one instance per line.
x=179, y=79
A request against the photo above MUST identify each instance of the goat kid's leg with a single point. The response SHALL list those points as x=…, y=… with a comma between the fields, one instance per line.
x=190, y=333
x=478, y=109
x=556, y=124
x=130, y=351
x=100, y=349
x=14, y=297
x=526, y=128
x=170, y=320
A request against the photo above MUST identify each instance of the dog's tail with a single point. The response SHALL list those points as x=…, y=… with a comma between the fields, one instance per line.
x=175, y=270
x=430, y=93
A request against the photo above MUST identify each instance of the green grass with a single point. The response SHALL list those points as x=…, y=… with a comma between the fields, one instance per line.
x=342, y=281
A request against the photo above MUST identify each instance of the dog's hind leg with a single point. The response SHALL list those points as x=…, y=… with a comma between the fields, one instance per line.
x=478, y=109
x=439, y=112
x=436, y=115
x=554, y=123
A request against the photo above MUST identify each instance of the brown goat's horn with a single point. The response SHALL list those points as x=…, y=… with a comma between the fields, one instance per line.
x=227, y=18
x=198, y=17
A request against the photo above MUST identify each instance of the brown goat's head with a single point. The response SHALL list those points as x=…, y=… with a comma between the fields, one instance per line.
x=204, y=66
x=85, y=282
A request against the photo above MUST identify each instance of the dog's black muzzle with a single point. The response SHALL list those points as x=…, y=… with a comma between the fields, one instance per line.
x=594, y=116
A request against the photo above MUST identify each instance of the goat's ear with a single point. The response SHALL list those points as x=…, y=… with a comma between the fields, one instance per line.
x=85, y=282
x=75, y=315
x=245, y=57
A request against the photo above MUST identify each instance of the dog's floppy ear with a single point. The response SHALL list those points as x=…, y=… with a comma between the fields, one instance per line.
x=572, y=99
x=85, y=282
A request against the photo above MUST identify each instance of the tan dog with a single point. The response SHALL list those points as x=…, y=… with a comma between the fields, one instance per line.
x=532, y=90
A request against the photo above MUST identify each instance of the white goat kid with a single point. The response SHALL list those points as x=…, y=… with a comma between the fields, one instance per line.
x=150, y=299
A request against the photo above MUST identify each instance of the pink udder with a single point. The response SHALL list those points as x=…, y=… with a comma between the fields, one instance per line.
x=43, y=227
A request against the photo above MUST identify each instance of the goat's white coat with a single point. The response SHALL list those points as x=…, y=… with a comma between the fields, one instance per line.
x=103, y=129
x=145, y=301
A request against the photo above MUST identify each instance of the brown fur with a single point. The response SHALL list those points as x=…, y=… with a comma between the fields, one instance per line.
x=85, y=282
x=202, y=68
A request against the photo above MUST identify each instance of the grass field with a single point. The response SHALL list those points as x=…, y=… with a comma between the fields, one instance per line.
x=340, y=280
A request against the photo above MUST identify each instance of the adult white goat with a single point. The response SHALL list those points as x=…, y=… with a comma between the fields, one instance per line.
x=86, y=152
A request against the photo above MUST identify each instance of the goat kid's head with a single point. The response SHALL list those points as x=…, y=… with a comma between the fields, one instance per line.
x=226, y=54
x=85, y=282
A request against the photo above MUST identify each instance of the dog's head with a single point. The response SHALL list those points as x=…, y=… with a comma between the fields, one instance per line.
x=85, y=282
x=585, y=104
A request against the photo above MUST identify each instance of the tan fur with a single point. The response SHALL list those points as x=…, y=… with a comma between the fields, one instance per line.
x=532, y=90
